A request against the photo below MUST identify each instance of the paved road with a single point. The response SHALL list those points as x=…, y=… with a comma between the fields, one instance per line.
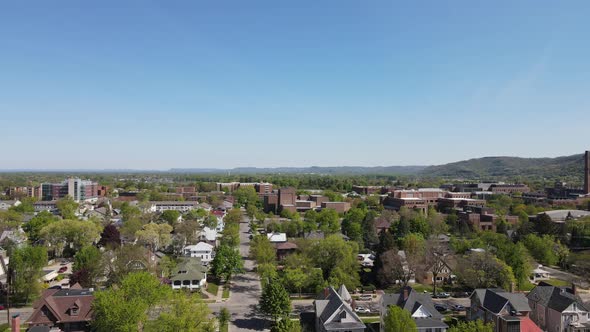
x=245, y=292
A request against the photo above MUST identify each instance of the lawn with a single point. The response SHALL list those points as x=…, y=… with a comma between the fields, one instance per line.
x=370, y=319
x=527, y=287
x=212, y=288
x=225, y=294
x=558, y=282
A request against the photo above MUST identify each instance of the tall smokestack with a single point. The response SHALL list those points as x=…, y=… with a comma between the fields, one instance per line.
x=587, y=172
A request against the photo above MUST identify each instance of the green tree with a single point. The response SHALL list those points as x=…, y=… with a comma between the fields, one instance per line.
x=227, y=262
x=182, y=312
x=332, y=253
x=261, y=250
x=275, y=301
x=25, y=270
x=34, y=226
x=295, y=278
x=72, y=233
x=223, y=317
x=398, y=320
x=484, y=270
x=246, y=196
x=126, y=307
x=67, y=207
x=170, y=216
x=472, y=326
x=286, y=325
x=155, y=235
x=89, y=260
x=543, y=248
x=329, y=221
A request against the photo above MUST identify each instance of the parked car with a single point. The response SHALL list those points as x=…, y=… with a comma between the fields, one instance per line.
x=55, y=287
x=457, y=307
x=362, y=310
x=440, y=307
x=461, y=294
x=365, y=297
x=366, y=264
x=2, y=307
x=442, y=295
x=62, y=269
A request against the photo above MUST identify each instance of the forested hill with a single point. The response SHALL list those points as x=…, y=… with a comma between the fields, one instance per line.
x=345, y=170
x=493, y=167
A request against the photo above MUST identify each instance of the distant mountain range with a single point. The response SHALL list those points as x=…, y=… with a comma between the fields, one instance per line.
x=479, y=168
x=486, y=167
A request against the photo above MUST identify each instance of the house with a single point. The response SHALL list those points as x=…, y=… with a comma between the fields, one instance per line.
x=66, y=309
x=333, y=313
x=420, y=306
x=14, y=236
x=202, y=250
x=189, y=273
x=277, y=237
x=442, y=266
x=557, y=309
x=182, y=206
x=5, y=205
x=208, y=235
x=508, y=311
x=284, y=249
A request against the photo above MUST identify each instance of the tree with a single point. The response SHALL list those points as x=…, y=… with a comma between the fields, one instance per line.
x=227, y=262
x=182, y=312
x=296, y=279
x=544, y=225
x=34, y=226
x=246, y=196
x=70, y=233
x=329, y=221
x=484, y=270
x=398, y=320
x=286, y=325
x=25, y=270
x=67, y=207
x=472, y=326
x=333, y=252
x=391, y=269
x=130, y=212
x=170, y=216
x=110, y=237
x=125, y=308
x=261, y=250
x=88, y=264
x=275, y=301
x=155, y=235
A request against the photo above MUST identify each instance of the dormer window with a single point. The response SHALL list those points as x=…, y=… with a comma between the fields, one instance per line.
x=343, y=315
x=74, y=311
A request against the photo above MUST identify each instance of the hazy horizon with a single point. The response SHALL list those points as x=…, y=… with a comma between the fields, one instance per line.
x=155, y=86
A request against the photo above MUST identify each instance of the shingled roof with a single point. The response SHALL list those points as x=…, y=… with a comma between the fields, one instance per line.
x=329, y=308
x=62, y=306
x=555, y=298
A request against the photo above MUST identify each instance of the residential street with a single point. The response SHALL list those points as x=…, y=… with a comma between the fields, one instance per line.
x=245, y=292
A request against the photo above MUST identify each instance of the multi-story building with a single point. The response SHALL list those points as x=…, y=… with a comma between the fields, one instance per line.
x=509, y=188
x=340, y=207
x=557, y=309
x=420, y=307
x=368, y=190
x=77, y=189
x=483, y=219
x=448, y=204
x=396, y=203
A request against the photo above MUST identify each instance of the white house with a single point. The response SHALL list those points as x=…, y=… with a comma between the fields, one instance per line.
x=208, y=235
x=202, y=250
x=5, y=205
x=190, y=273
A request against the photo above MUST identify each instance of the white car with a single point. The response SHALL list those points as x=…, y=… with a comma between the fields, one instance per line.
x=362, y=310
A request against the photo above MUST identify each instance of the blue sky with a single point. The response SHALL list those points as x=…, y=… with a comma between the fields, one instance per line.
x=160, y=84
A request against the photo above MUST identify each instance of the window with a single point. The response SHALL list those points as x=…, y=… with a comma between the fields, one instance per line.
x=343, y=315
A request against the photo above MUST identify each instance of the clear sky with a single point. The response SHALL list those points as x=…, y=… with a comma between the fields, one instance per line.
x=159, y=84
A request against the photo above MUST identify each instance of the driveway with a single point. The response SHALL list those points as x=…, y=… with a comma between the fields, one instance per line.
x=245, y=292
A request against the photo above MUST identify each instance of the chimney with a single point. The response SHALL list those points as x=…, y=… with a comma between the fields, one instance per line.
x=406, y=293
x=15, y=323
x=512, y=287
x=587, y=172
x=574, y=289
x=326, y=292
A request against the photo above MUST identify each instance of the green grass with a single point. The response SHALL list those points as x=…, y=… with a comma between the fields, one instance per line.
x=212, y=288
x=223, y=328
x=558, y=282
x=371, y=319
x=428, y=288
x=527, y=287
x=225, y=293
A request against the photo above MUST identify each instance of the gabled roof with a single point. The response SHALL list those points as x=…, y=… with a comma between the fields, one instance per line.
x=285, y=246
x=60, y=301
x=189, y=268
x=555, y=298
x=328, y=309
x=277, y=237
x=495, y=299
x=414, y=301
x=344, y=294
x=201, y=246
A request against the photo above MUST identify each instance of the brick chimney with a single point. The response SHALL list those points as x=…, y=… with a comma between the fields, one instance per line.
x=326, y=292
x=406, y=293
x=574, y=289
x=15, y=323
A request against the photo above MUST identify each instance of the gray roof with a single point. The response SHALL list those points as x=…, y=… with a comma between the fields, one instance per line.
x=555, y=298
x=494, y=300
x=430, y=323
x=344, y=294
x=414, y=301
x=193, y=267
x=330, y=303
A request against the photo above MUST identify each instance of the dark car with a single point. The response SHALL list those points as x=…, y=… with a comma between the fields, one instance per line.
x=461, y=294
x=62, y=269
x=2, y=307
x=457, y=307
x=440, y=307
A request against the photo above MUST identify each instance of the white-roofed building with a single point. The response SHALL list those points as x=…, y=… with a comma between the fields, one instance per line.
x=277, y=237
x=202, y=250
